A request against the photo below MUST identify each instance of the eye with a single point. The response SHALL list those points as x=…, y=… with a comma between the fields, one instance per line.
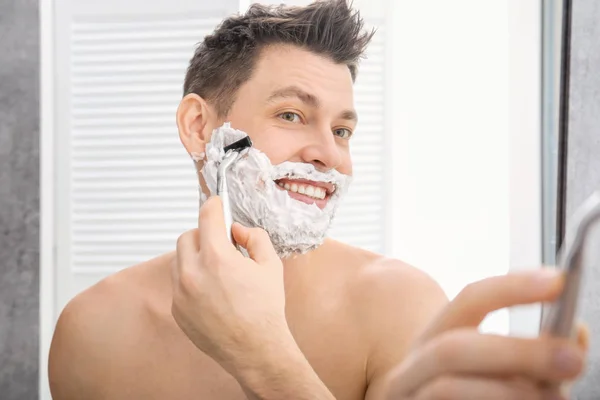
x=344, y=133
x=290, y=116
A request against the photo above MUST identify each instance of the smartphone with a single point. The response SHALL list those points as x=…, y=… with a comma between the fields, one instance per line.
x=558, y=318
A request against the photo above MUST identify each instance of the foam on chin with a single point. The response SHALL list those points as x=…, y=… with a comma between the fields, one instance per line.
x=256, y=201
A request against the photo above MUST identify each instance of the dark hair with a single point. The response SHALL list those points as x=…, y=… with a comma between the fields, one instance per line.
x=225, y=59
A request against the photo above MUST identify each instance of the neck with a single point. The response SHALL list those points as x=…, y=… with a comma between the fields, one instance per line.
x=297, y=270
x=306, y=261
x=298, y=261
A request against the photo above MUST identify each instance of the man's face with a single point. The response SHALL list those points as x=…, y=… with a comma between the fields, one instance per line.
x=298, y=110
x=299, y=107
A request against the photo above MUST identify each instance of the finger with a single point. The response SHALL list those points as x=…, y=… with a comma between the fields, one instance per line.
x=256, y=241
x=174, y=269
x=583, y=342
x=583, y=336
x=469, y=352
x=186, y=256
x=478, y=299
x=211, y=225
x=477, y=388
x=187, y=248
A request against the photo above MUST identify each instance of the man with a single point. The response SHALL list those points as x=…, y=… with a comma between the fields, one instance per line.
x=335, y=322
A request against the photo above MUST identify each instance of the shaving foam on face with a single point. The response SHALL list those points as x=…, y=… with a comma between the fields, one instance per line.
x=257, y=201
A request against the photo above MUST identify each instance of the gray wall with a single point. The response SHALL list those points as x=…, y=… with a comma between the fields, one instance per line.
x=583, y=165
x=19, y=199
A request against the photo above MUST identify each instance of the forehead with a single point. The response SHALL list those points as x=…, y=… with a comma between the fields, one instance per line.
x=283, y=66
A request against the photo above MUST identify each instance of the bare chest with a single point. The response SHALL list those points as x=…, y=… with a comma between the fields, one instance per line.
x=164, y=364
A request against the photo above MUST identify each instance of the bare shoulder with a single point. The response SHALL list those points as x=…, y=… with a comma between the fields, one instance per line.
x=385, y=283
x=94, y=329
x=393, y=303
x=392, y=284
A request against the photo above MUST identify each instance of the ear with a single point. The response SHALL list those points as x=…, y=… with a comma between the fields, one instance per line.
x=193, y=122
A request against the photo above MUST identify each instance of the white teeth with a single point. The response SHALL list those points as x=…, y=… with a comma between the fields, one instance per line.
x=308, y=190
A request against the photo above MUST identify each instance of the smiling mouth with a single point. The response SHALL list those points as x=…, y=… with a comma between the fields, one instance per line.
x=307, y=191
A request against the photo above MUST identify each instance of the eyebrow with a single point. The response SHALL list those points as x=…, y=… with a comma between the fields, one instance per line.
x=308, y=99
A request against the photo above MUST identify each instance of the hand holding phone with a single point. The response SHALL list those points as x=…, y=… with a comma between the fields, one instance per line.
x=558, y=318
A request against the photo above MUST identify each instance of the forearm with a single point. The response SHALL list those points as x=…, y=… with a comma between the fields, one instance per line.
x=283, y=373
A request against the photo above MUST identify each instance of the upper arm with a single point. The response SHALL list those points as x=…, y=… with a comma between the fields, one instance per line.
x=399, y=301
x=78, y=356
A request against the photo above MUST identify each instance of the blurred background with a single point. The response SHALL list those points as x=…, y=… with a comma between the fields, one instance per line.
x=456, y=153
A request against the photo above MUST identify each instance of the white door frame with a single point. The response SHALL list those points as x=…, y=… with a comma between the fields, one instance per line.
x=525, y=125
x=525, y=193
x=47, y=178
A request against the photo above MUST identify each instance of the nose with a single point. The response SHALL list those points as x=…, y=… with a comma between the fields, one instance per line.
x=322, y=151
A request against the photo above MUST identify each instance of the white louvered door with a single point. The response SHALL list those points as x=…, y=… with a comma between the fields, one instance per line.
x=125, y=189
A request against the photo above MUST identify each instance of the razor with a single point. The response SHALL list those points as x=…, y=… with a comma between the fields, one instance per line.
x=232, y=154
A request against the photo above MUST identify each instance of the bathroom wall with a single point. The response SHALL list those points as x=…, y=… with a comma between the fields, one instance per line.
x=19, y=186
x=583, y=166
x=19, y=199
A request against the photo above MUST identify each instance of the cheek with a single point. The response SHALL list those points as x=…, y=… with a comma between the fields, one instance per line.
x=346, y=165
x=275, y=143
x=277, y=147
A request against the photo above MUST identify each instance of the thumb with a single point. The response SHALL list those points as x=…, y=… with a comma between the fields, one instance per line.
x=583, y=341
x=256, y=241
x=583, y=336
x=478, y=299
